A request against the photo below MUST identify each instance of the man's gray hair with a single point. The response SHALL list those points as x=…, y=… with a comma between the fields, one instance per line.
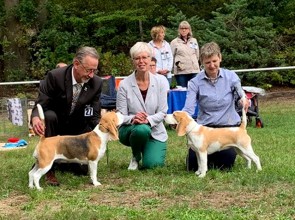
x=86, y=51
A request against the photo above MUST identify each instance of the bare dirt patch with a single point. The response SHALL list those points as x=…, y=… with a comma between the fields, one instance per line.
x=280, y=94
x=12, y=205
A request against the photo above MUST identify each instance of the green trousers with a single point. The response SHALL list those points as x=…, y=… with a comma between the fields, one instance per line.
x=138, y=137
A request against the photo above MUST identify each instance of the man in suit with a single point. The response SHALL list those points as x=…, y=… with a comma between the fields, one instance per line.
x=64, y=113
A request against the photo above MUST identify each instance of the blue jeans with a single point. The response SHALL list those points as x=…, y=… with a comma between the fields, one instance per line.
x=169, y=81
x=183, y=79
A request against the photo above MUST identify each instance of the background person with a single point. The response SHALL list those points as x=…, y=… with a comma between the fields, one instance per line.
x=162, y=52
x=185, y=50
x=153, y=70
x=56, y=94
x=153, y=65
x=214, y=90
x=142, y=99
x=59, y=65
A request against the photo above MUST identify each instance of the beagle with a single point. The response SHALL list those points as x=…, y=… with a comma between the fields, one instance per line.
x=85, y=148
x=204, y=140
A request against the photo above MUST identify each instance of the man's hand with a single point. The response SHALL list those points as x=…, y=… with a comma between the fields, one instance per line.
x=38, y=126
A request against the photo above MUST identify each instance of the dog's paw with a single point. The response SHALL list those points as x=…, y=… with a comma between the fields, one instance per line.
x=31, y=186
x=200, y=174
x=39, y=188
x=258, y=170
x=96, y=183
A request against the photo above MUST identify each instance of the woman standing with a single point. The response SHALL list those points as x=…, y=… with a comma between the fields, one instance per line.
x=162, y=52
x=185, y=50
x=142, y=99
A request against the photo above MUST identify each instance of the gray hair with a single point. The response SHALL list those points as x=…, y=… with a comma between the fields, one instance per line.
x=59, y=65
x=140, y=47
x=209, y=50
x=82, y=52
x=185, y=24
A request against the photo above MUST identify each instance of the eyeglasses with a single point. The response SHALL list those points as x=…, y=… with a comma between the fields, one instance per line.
x=183, y=28
x=95, y=71
x=137, y=59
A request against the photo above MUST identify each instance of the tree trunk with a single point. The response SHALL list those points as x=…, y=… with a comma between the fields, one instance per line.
x=140, y=29
x=1, y=62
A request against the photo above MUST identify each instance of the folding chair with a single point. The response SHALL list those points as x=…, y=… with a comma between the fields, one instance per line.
x=109, y=93
x=108, y=98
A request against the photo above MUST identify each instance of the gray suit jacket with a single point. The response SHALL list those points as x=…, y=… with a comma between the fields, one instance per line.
x=130, y=101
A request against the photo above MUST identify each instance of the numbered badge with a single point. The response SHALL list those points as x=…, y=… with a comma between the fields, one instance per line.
x=88, y=111
x=193, y=45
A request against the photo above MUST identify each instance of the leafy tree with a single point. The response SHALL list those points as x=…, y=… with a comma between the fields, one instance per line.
x=2, y=40
x=197, y=24
x=246, y=41
x=253, y=33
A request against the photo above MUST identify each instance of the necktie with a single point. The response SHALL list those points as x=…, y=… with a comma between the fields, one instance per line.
x=76, y=91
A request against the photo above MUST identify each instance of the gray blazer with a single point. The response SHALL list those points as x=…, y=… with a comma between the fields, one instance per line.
x=130, y=101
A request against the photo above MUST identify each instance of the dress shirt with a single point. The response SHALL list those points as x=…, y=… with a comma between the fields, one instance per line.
x=216, y=101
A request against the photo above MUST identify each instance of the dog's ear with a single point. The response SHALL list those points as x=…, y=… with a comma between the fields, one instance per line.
x=112, y=126
x=113, y=131
x=183, y=121
x=108, y=123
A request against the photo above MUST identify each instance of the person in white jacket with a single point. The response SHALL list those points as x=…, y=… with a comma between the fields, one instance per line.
x=185, y=50
x=162, y=52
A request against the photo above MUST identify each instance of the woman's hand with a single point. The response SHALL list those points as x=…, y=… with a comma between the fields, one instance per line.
x=140, y=118
x=163, y=72
x=245, y=103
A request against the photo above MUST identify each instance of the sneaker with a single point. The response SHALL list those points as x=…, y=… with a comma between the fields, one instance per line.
x=51, y=179
x=133, y=164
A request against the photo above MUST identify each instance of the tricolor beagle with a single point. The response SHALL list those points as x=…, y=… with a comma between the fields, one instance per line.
x=204, y=140
x=85, y=148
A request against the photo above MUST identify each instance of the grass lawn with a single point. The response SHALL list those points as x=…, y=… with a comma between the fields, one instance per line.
x=169, y=192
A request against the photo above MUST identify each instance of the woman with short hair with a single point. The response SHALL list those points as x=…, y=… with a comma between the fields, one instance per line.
x=142, y=99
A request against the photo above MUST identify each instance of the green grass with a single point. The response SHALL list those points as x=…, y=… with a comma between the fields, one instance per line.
x=164, y=193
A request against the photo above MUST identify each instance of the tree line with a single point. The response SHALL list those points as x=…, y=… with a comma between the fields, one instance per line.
x=37, y=34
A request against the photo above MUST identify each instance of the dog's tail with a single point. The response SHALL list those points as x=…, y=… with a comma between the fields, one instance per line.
x=244, y=118
x=41, y=114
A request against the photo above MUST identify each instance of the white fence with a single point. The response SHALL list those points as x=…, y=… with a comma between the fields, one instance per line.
x=122, y=77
